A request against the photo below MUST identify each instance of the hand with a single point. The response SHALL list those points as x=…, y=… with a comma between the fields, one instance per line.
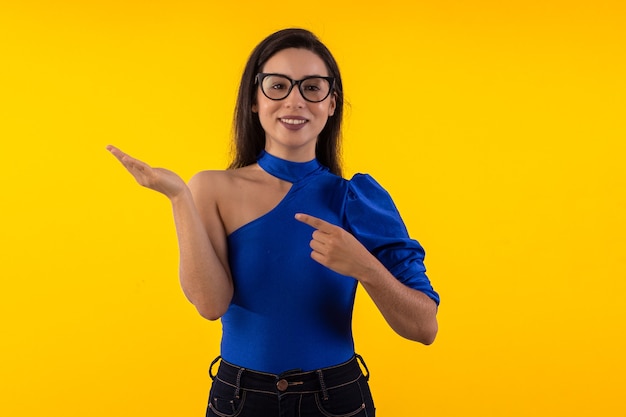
x=157, y=179
x=337, y=249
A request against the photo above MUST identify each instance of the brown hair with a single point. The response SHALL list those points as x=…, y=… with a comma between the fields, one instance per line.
x=249, y=136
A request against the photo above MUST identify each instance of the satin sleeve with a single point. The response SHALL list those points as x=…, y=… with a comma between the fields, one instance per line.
x=372, y=217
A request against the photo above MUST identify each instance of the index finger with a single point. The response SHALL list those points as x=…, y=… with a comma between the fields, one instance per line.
x=314, y=222
x=127, y=160
x=116, y=152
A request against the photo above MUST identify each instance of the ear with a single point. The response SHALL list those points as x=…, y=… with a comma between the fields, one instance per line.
x=332, y=105
x=255, y=103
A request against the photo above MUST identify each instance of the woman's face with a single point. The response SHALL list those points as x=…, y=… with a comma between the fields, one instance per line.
x=293, y=124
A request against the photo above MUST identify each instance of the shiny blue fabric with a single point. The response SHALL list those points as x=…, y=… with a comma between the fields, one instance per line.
x=288, y=311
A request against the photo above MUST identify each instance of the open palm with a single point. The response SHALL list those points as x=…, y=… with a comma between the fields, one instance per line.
x=157, y=179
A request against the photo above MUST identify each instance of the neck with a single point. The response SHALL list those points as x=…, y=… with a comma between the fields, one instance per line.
x=288, y=170
x=299, y=154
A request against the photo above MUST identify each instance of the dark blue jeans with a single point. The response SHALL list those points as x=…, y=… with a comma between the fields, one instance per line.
x=337, y=391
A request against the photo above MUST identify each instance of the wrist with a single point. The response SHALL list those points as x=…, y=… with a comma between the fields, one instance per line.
x=370, y=271
x=182, y=197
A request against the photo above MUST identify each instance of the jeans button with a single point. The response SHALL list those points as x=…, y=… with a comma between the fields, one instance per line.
x=282, y=385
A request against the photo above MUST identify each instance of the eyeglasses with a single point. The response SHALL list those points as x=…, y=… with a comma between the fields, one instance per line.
x=278, y=86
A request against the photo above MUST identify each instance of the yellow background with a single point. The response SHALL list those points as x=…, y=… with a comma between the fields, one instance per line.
x=497, y=126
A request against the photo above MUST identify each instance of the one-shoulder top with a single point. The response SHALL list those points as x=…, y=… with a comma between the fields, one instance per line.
x=288, y=311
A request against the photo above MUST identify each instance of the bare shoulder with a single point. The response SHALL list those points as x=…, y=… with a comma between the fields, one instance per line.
x=236, y=196
x=216, y=183
x=208, y=179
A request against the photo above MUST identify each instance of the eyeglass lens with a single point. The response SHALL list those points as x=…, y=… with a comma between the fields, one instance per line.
x=277, y=87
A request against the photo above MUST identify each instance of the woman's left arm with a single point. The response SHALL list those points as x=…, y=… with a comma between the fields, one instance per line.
x=409, y=312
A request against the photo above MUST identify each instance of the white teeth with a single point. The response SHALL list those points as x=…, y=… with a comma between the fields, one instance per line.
x=293, y=121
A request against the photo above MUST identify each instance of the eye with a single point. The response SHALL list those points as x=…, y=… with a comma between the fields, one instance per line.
x=276, y=83
x=277, y=86
x=315, y=84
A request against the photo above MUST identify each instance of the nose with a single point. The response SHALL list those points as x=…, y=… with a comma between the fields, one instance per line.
x=294, y=98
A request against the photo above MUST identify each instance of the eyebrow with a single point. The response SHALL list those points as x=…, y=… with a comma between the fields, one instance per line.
x=292, y=78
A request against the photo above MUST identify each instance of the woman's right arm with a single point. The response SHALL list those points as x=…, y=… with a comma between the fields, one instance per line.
x=204, y=272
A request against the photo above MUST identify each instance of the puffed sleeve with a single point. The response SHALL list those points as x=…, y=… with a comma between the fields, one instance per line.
x=372, y=217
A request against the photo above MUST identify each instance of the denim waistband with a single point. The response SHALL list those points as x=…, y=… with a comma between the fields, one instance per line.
x=320, y=380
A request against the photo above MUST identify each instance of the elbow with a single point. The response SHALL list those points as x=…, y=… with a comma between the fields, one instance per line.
x=425, y=337
x=209, y=316
x=211, y=313
x=428, y=329
x=210, y=309
x=430, y=334
x=428, y=337
x=424, y=334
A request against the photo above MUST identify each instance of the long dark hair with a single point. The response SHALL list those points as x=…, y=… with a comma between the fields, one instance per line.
x=249, y=136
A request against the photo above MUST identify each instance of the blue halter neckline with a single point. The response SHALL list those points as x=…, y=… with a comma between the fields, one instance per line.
x=287, y=170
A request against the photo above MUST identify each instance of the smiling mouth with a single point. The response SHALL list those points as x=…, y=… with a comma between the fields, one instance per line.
x=293, y=121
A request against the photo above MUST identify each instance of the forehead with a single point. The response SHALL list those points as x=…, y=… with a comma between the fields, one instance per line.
x=296, y=63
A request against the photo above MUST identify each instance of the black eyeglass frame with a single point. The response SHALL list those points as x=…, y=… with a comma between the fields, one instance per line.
x=262, y=75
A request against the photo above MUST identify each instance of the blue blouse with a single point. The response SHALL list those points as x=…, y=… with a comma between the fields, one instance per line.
x=288, y=311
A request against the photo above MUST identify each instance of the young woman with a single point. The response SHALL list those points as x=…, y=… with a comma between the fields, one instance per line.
x=275, y=245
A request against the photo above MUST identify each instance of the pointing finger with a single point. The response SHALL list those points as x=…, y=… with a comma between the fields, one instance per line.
x=314, y=222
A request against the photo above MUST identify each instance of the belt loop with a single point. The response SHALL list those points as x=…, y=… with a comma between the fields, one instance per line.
x=360, y=359
x=238, y=383
x=211, y=367
x=322, y=384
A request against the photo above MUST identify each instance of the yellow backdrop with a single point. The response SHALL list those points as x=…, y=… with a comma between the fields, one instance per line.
x=498, y=127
